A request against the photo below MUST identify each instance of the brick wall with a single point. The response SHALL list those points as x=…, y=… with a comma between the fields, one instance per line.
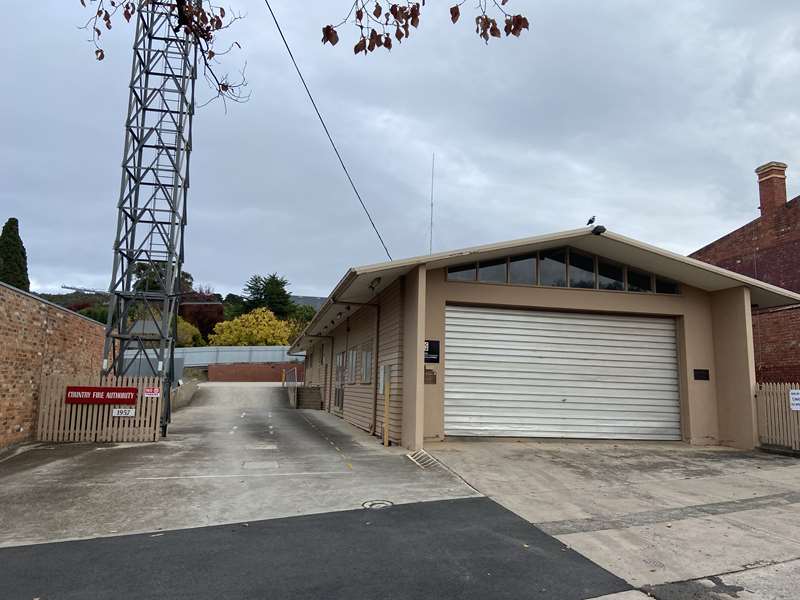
x=768, y=249
x=776, y=337
x=253, y=371
x=38, y=338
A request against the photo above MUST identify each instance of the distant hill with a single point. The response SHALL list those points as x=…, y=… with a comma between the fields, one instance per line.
x=314, y=301
x=75, y=300
x=79, y=300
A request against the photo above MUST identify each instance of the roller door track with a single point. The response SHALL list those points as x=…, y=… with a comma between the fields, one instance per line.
x=566, y=375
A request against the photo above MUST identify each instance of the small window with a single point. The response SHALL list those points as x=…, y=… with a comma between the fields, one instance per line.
x=553, y=267
x=581, y=270
x=610, y=276
x=366, y=365
x=462, y=273
x=639, y=281
x=665, y=286
x=494, y=271
x=522, y=270
x=352, y=357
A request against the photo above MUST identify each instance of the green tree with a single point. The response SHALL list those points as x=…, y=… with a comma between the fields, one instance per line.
x=303, y=312
x=98, y=312
x=13, y=258
x=259, y=327
x=269, y=292
x=148, y=276
x=188, y=335
x=234, y=306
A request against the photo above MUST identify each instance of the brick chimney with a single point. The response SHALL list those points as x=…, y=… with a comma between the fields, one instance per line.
x=771, y=187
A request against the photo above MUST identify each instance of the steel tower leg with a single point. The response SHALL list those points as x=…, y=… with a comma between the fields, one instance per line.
x=148, y=249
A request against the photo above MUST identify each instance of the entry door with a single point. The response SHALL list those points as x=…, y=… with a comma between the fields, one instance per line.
x=566, y=375
x=339, y=374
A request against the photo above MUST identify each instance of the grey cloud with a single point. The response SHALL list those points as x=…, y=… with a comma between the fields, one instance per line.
x=651, y=116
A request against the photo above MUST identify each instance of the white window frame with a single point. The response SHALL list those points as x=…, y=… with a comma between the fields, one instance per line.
x=366, y=364
x=351, y=366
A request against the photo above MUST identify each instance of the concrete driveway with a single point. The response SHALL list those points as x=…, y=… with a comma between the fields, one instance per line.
x=237, y=453
x=248, y=498
x=715, y=520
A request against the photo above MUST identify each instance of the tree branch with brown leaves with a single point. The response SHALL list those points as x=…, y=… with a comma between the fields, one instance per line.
x=378, y=21
x=201, y=20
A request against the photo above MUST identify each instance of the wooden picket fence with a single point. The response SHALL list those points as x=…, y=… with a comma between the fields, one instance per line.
x=62, y=422
x=778, y=425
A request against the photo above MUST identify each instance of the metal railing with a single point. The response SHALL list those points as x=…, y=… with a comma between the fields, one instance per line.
x=226, y=355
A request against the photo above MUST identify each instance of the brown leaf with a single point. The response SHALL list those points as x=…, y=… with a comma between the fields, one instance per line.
x=361, y=46
x=99, y=54
x=455, y=13
x=359, y=15
x=378, y=11
x=387, y=42
x=329, y=35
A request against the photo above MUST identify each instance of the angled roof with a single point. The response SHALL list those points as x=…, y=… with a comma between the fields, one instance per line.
x=362, y=284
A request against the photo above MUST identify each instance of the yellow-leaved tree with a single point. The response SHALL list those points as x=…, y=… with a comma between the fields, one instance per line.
x=188, y=335
x=259, y=327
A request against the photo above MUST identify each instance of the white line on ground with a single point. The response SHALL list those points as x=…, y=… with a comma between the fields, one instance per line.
x=241, y=475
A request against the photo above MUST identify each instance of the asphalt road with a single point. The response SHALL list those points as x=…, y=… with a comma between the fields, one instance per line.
x=464, y=548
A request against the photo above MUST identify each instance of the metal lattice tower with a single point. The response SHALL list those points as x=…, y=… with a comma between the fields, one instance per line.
x=148, y=250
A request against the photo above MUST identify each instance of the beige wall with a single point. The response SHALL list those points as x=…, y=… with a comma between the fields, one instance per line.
x=714, y=333
x=693, y=309
x=736, y=372
x=413, y=367
x=365, y=327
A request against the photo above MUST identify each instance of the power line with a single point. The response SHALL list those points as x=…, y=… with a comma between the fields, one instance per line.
x=325, y=127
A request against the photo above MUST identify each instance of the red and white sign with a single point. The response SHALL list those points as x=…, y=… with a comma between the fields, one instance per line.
x=101, y=395
x=152, y=392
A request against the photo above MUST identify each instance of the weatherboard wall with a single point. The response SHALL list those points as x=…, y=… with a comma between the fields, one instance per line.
x=358, y=332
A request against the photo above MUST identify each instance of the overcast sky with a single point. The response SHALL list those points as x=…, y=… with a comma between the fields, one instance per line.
x=650, y=115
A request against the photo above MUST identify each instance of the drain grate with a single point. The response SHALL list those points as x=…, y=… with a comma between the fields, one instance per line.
x=422, y=459
x=377, y=504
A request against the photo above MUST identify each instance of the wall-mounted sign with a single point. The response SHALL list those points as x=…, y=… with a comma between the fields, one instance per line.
x=152, y=392
x=431, y=351
x=81, y=394
x=702, y=375
x=123, y=412
x=794, y=399
x=430, y=377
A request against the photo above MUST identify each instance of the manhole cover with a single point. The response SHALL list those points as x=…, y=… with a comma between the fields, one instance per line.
x=377, y=504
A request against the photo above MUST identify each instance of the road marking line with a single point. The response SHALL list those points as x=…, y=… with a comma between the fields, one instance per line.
x=241, y=475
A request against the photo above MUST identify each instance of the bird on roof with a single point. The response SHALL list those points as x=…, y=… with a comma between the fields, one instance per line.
x=591, y=221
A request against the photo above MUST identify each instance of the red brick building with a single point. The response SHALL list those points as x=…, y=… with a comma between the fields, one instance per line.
x=768, y=248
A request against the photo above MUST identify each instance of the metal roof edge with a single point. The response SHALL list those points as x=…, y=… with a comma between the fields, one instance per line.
x=693, y=262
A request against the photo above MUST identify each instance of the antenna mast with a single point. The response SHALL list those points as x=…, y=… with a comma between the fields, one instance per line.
x=148, y=249
x=433, y=171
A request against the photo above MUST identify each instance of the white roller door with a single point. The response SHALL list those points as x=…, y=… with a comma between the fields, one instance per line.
x=550, y=374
